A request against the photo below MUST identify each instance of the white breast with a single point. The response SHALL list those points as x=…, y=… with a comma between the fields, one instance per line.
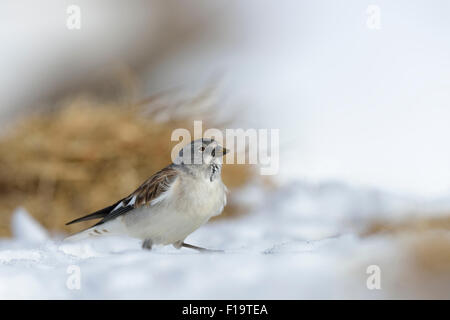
x=187, y=205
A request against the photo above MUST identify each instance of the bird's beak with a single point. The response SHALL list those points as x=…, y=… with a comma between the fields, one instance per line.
x=220, y=152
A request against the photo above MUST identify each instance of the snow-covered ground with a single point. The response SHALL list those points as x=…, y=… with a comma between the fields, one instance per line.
x=360, y=105
x=300, y=241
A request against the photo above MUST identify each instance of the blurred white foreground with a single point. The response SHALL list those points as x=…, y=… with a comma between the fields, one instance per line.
x=300, y=242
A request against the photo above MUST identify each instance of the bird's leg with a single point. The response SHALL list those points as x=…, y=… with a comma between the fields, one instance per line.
x=147, y=244
x=190, y=246
x=178, y=244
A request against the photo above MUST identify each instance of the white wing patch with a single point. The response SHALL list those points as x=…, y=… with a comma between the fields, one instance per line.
x=120, y=205
x=132, y=201
x=129, y=203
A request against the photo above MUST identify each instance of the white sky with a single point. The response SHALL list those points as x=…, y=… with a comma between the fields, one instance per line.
x=368, y=107
x=364, y=106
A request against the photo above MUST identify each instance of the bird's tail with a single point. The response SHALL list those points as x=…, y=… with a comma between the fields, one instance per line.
x=109, y=228
x=88, y=233
x=79, y=236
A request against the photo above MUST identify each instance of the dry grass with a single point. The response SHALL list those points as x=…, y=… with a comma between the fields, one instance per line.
x=425, y=240
x=413, y=225
x=62, y=164
x=432, y=253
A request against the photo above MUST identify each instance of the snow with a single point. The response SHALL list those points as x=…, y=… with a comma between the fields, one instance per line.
x=300, y=241
x=26, y=229
x=351, y=104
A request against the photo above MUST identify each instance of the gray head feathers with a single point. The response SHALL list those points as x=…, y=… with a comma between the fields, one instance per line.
x=202, y=157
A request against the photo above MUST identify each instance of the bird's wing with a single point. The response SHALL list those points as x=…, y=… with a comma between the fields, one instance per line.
x=145, y=195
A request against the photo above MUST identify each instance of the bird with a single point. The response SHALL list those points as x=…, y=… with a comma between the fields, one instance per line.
x=171, y=204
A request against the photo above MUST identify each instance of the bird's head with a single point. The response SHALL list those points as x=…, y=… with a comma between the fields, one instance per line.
x=201, y=154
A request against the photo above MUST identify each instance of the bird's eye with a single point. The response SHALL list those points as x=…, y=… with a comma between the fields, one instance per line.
x=202, y=148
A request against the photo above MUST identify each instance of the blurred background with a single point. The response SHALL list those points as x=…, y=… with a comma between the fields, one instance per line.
x=363, y=109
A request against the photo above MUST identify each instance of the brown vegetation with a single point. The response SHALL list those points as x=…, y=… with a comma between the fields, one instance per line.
x=426, y=243
x=65, y=163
